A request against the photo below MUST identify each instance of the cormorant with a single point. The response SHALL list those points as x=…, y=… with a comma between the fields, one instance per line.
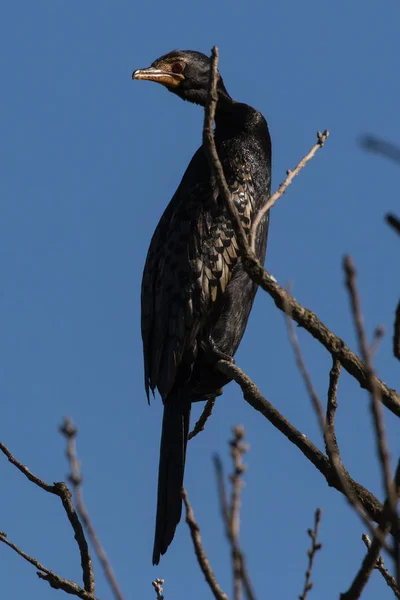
x=196, y=297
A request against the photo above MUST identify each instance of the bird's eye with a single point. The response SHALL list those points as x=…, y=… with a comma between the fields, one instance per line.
x=177, y=67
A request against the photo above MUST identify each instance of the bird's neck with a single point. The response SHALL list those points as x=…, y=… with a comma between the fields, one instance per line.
x=233, y=118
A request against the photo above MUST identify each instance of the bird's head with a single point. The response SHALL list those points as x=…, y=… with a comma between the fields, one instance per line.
x=183, y=72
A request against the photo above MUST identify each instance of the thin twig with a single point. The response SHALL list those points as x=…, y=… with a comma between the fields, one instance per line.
x=230, y=512
x=376, y=408
x=370, y=504
x=315, y=546
x=52, y=578
x=321, y=139
x=303, y=317
x=376, y=340
x=211, y=150
x=61, y=490
x=157, y=585
x=75, y=477
x=222, y=495
x=200, y=552
x=328, y=431
x=369, y=563
x=316, y=402
x=205, y=415
x=380, y=566
x=396, y=333
x=331, y=444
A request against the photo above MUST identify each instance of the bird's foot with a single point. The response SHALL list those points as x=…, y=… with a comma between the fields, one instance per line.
x=213, y=353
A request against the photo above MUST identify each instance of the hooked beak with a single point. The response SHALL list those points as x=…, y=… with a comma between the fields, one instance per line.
x=170, y=80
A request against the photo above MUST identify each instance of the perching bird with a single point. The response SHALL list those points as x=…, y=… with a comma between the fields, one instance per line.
x=196, y=297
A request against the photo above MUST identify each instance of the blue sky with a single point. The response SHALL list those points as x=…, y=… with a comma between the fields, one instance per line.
x=89, y=160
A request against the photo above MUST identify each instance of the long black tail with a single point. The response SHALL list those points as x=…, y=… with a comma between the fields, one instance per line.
x=175, y=429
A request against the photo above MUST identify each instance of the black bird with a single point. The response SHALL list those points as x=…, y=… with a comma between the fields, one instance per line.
x=196, y=297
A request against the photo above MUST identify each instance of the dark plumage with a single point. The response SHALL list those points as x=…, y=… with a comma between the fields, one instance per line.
x=196, y=297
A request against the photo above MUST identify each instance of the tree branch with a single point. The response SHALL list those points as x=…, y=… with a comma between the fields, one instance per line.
x=61, y=490
x=253, y=396
x=370, y=560
x=376, y=408
x=205, y=415
x=321, y=139
x=283, y=300
x=315, y=546
x=200, y=552
x=380, y=566
x=55, y=581
x=70, y=433
x=231, y=512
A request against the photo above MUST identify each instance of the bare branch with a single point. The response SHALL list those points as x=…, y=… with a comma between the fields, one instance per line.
x=321, y=139
x=70, y=433
x=200, y=552
x=328, y=432
x=54, y=580
x=157, y=585
x=211, y=150
x=378, y=336
x=205, y=415
x=303, y=317
x=309, y=321
x=230, y=512
x=316, y=402
x=376, y=408
x=380, y=566
x=315, y=546
x=331, y=444
x=61, y=490
x=253, y=396
x=370, y=560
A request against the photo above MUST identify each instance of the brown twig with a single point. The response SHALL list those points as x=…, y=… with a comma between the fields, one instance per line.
x=205, y=415
x=211, y=150
x=321, y=139
x=396, y=333
x=309, y=321
x=328, y=431
x=75, y=477
x=331, y=445
x=52, y=578
x=199, y=550
x=369, y=563
x=61, y=490
x=376, y=408
x=253, y=396
x=231, y=511
x=316, y=402
x=380, y=566
x=376, y=340
x=315, y=546
x=238, y=449
x=303, y=317
x=157, y=585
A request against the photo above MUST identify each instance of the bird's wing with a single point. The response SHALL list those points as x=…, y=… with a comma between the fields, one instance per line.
x=189, y=265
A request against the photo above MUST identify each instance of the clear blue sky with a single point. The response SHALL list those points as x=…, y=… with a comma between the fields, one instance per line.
x=89, y=160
